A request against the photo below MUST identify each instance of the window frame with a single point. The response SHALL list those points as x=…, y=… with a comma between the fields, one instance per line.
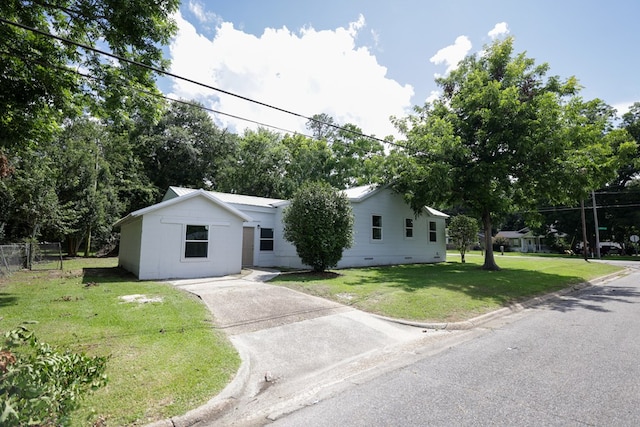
x=187, y=242
x=433, y=231
x=409, y=228
x=376, y=228
x=266, y=240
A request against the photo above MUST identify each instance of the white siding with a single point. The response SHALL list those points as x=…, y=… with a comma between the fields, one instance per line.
x=394, y=248
x=163, y=235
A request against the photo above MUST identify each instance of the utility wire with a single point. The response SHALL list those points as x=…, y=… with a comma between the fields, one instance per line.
x=186, y=79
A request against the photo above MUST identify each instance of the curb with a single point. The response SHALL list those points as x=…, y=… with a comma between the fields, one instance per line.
x=514, y=308
x=218, y=405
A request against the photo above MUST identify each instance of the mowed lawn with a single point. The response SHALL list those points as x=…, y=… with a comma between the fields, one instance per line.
x=446, y=292
x=165, y=357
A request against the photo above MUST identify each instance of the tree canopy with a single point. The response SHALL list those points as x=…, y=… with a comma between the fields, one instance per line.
x=501, y=138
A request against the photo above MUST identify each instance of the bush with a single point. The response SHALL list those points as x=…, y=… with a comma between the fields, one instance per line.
x=40, y=385
x=319, y=222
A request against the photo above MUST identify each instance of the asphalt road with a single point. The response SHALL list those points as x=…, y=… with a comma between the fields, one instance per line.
x=570, y=362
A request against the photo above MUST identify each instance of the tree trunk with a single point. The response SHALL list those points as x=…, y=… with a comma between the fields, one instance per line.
x=489, y=261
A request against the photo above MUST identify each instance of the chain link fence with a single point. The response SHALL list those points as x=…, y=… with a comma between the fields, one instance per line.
x=32, y=256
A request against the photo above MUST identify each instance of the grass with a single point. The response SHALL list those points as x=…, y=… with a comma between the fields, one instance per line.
x=165, y=357
x=445, y=292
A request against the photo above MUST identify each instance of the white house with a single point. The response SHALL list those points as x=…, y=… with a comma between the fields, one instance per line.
x=386, y=231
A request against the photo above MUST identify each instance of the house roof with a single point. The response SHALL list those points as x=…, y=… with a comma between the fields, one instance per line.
x=355, y=195
x=238, y=199
x=185, y=196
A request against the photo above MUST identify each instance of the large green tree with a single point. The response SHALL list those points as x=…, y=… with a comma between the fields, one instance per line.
x=185, y=148
x=39, y=84
x=501, y=138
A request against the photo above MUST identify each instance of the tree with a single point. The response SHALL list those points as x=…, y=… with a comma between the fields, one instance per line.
x=259, y=167
x=463, y=232
x=319, y=222
x=185, y=148
x=39, y=84
x=501, y=138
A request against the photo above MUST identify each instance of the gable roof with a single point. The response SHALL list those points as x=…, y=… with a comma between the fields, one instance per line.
x=180, y=199
x=238, y=199
x=354, y=194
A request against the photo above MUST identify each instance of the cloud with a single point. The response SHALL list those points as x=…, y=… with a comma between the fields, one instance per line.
x=498, y=30
x=306, y=72
x=200, y=13
x=452, y=54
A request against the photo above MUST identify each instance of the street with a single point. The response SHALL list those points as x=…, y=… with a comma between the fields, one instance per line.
x=570, y=362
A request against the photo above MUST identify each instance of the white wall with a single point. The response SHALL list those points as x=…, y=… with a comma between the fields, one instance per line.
x=163, y=234
x=129, y=251
x=394, y=248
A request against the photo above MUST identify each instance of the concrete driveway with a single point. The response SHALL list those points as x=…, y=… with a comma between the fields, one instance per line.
x=295, y=348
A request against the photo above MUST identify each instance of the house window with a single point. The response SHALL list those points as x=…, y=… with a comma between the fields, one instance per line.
x=196, y=242
x=433, y=231
x=408, y=228
x=376, y=227
x=266, y=239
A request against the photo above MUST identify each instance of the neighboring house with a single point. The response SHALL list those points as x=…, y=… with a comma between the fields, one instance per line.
x=386, y=232
x=523, y=240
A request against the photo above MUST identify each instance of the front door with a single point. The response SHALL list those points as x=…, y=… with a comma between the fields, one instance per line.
x=247, y=246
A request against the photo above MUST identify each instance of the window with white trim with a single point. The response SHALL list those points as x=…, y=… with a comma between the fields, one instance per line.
x=433, y=231
x=408, y=228
x=266, y=239
x=376, y=227
x=196, y=241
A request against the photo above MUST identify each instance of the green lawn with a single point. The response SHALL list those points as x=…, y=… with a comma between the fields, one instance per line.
x=446, y=292
x=164, y=357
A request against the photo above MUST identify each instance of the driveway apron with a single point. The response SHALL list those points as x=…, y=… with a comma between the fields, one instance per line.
x=294, y=343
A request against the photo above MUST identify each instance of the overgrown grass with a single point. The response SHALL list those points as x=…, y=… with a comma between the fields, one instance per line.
x=446, y=292
x=164, y=357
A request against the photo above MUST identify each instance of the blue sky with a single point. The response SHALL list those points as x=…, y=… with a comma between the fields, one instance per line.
x=362, y=61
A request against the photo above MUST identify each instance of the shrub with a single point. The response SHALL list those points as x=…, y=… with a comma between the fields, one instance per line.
x=319, y=222
x=40, y=385
x=463, y=232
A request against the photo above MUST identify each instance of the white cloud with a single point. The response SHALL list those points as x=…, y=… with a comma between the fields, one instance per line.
x=198, y=10
x=308, y=72
x=622, y=108
x=452, y=54
x=498, y=30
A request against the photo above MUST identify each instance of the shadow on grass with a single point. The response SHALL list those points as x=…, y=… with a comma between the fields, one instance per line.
x=7, y=299
x=93, y=275
x=504, y=287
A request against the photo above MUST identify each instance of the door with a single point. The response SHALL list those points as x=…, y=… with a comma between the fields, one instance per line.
x=247, y=246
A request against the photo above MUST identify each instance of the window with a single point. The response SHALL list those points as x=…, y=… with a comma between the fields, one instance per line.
x=408, y=228
x=196, y=242
x=433, y=231
x=266, y=239
x=376, y=227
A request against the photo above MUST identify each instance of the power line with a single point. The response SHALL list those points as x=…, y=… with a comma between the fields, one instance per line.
x=186, y=79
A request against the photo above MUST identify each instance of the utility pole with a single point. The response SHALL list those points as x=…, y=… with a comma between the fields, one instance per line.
x=595, y=222
x=584, y=230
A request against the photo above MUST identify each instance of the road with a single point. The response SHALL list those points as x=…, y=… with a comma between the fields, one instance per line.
x=570, y=362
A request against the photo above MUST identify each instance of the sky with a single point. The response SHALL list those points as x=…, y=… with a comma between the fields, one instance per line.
x=364, y=61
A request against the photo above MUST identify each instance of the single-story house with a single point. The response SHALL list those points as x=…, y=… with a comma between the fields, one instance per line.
x=196, y=233
x=523, y=240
